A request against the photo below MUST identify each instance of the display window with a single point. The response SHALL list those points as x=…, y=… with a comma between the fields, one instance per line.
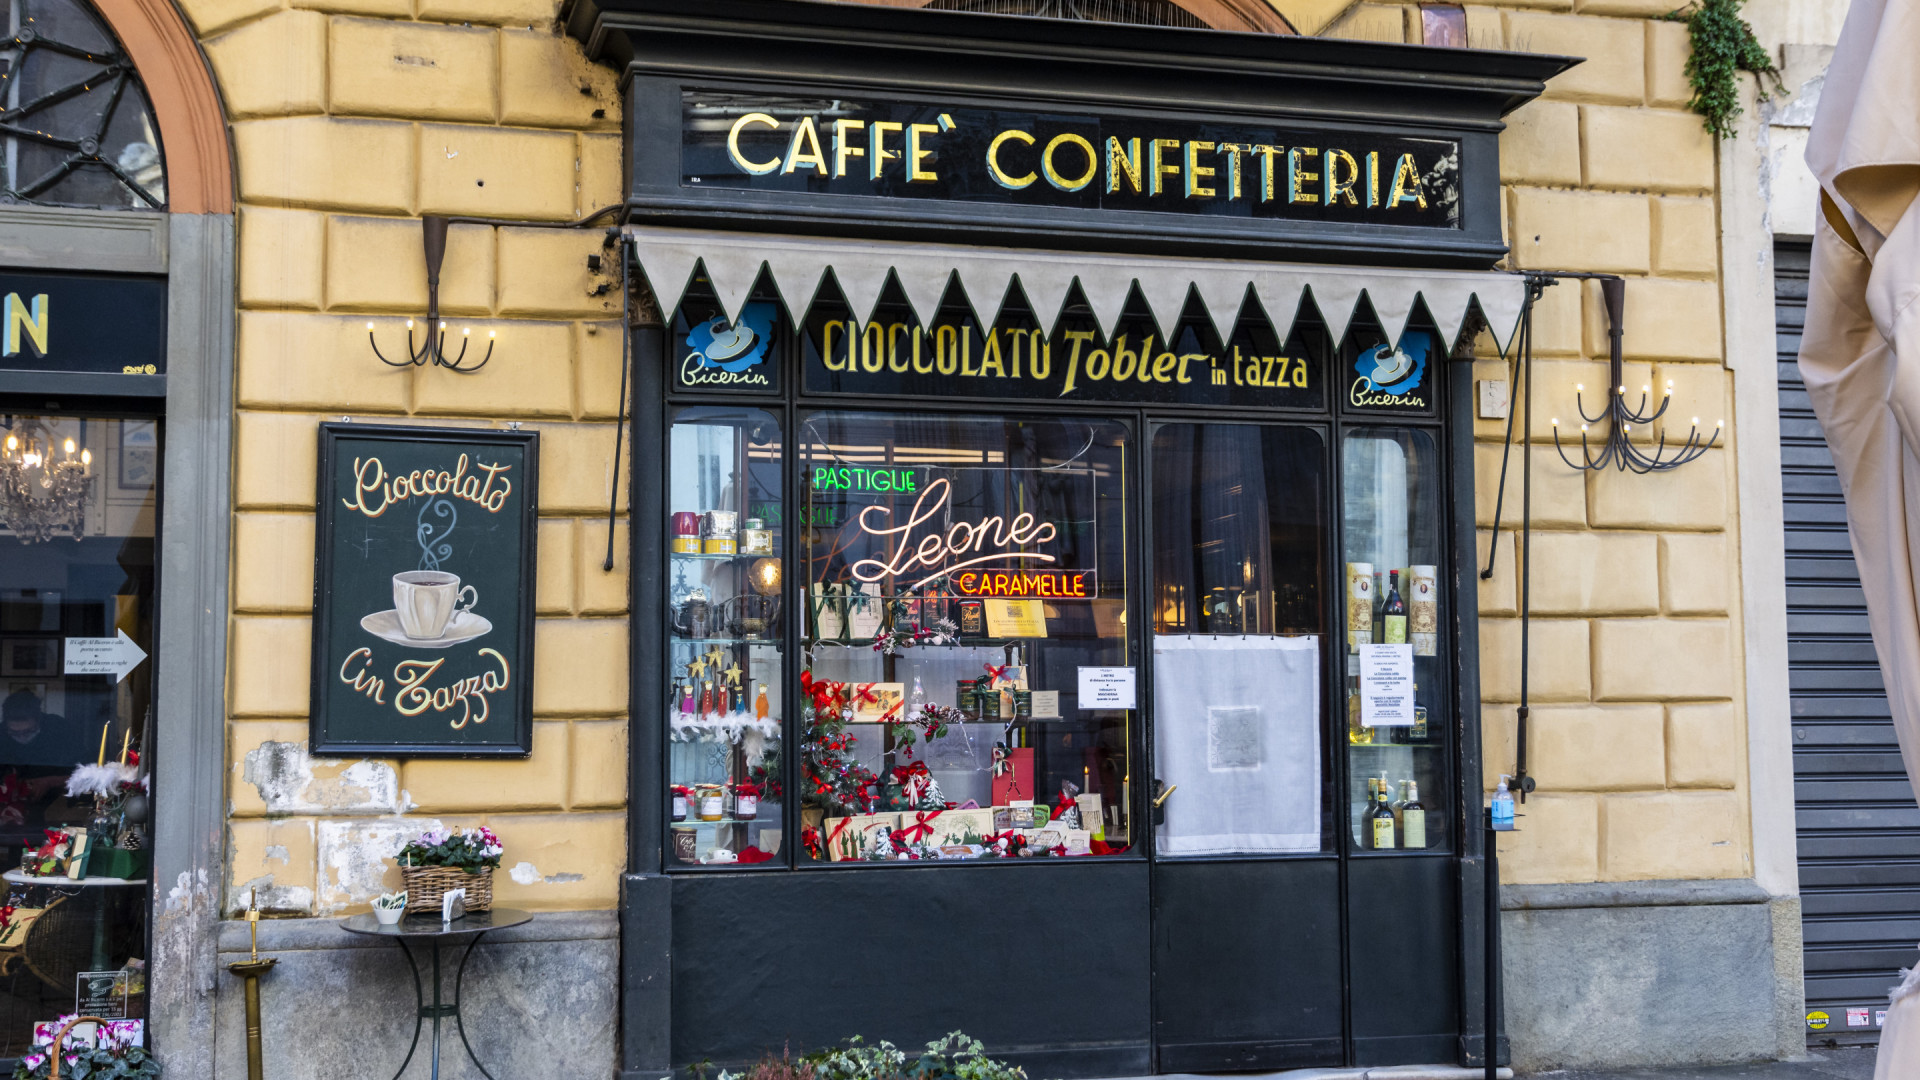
x=966, y=589
x=1396, y=657
x=77, y=578
x=725, y=588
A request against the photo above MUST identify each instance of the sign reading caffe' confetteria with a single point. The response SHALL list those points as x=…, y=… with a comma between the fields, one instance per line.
x=422, y=628
x=899, y=150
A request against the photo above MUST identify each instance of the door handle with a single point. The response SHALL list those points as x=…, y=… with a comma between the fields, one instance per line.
x=1161, y=793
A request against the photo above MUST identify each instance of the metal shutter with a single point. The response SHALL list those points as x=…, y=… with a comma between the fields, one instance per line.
x=1857, y=823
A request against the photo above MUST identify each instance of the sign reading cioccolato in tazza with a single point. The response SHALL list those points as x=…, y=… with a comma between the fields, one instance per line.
x=898, y=150
x=423, y=603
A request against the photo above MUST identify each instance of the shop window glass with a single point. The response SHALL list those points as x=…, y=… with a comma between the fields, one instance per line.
x=77, y=550
x=960, y=577
x=725, y=662
x=82, y=131
x=1397, y=742
x=1239, y=519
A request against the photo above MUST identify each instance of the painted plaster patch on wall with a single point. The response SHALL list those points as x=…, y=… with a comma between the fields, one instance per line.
x=290, y=781
x=274, y=899
x=524, y=874
x=356, y=859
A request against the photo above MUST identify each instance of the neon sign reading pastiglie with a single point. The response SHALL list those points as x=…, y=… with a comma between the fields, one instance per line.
x=853, y=478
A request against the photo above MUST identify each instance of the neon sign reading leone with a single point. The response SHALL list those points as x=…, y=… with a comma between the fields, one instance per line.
x=971, y=543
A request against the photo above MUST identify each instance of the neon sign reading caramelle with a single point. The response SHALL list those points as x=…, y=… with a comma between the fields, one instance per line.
x=967, y=542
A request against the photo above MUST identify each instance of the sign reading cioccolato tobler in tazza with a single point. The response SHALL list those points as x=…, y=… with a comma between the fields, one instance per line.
x=423, y=597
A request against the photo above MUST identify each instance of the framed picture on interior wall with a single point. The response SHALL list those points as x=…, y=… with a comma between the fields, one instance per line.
x=139, y=455
x=29, y=656
x=423, y=604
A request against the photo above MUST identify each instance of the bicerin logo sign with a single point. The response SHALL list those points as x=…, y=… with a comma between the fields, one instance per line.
x=719, y=353
x=1391, y=374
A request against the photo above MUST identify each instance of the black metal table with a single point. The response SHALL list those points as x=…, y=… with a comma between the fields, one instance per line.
x=429, y=929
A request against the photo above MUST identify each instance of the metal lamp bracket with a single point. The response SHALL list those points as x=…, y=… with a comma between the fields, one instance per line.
x=432, y=346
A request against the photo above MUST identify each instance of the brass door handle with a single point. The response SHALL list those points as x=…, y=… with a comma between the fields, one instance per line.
x=1161, y=799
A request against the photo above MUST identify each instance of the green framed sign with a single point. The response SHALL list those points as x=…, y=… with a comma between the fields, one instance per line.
x=423, y=591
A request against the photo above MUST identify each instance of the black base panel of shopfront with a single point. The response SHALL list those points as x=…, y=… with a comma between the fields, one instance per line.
x=1247, y=965
x=1047, y=964
x=1404, y=959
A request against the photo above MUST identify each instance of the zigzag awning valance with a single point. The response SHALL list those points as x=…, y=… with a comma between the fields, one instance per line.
x=734, y=261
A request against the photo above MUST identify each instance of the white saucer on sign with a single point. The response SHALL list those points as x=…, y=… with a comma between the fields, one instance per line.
x=464, y=626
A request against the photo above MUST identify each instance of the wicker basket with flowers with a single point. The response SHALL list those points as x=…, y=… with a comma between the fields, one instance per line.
x=442, y=860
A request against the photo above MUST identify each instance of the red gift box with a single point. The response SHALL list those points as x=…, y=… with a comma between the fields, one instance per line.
x=1012, y=775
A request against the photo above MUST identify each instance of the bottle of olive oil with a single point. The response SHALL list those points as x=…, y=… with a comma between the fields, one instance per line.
x=1413, y=820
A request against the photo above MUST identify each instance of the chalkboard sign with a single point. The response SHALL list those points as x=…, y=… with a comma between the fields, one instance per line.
x=423, y=591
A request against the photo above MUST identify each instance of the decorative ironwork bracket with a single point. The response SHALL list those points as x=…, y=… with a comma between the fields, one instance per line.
x=1619, y=451
x=432, y=347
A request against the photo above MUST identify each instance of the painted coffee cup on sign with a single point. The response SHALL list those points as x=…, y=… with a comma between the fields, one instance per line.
x=427, y=600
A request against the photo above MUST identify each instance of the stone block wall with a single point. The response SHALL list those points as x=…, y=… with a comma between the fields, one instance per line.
x=1638, y=739
x=350, y=118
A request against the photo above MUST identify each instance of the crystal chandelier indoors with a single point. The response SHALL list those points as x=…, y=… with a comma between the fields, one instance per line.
x=41, y=493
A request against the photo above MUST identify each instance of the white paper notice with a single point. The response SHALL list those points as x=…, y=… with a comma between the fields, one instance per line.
x=1112, y=688
x=1386, y=685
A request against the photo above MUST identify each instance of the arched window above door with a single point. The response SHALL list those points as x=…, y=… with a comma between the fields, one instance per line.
x=76, y=126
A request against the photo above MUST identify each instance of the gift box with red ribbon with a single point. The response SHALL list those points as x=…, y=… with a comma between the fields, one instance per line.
x=847, y=837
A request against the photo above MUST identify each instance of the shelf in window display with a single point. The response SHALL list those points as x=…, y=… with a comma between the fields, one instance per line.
x=775, y=642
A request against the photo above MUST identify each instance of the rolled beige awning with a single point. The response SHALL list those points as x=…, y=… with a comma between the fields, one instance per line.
x=734, y=261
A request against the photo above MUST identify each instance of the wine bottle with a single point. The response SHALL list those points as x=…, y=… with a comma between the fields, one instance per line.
x=1382, y=820
x=1400, y=801
x=1395, y=612
x=1413, y=818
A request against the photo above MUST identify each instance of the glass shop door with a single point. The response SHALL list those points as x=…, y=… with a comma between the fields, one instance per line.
x=78, y=565
x=1246, y=920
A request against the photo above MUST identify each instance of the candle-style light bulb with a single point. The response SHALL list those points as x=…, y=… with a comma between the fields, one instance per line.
x=409, y=324
x=86, y=457
x=1583, y=429
x=68, y=447
x=1623, y=388
x=1696, y=421
x=443, y=324
x=369, y=326
x=489, y=335
x=1556, y=421
x=1719, y=423
x=1579, y=387
x=1647, y=388
x=12, y=444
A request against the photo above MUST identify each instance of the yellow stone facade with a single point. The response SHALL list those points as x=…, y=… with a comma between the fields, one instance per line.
x=352, y=117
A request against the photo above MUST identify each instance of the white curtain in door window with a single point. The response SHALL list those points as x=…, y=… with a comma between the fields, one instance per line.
x=1237, y=729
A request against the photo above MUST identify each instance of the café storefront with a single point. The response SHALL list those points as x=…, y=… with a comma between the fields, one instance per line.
x=1053, y=612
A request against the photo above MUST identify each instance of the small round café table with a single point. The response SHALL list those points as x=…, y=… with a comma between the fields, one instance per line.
x=427, y=929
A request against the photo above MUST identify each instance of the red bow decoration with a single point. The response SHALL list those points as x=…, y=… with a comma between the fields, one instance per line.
x=995, y=673
x=863, y=694
x=749, y=789
x=922, y=826
x=750, y=855
x=810, y=839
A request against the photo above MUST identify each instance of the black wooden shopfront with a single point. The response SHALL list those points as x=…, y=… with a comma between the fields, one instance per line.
x=808, y=135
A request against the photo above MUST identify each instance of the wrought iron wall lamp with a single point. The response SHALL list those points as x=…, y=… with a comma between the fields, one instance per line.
x=432, y=346
x=1619, y=450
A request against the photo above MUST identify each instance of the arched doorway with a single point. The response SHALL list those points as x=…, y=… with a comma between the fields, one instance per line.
x=116, y=266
